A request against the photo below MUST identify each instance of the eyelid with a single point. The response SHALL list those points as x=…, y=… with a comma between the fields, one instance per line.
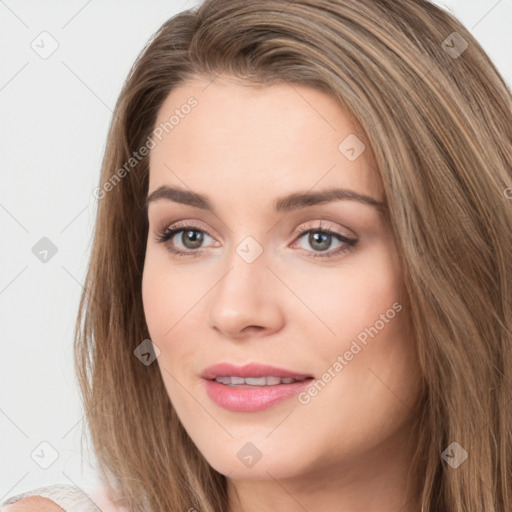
x=187, y=224
x=197, y=224
x=321, y=226
x=180, y=226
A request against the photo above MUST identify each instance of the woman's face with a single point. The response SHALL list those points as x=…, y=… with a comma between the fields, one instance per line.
x=269, y=273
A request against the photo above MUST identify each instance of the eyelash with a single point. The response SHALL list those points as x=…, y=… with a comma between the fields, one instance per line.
x=169, y=232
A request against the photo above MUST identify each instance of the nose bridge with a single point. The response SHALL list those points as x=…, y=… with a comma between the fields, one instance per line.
x=247, y=273
x=244, y=296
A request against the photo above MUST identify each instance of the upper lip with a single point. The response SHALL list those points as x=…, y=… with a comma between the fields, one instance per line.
x=249, y=370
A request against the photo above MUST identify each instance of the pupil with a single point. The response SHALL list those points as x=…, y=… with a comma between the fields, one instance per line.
x=324, y=240
x=192, y=239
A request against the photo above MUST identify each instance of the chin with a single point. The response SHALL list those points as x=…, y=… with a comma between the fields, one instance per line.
x=241, y=458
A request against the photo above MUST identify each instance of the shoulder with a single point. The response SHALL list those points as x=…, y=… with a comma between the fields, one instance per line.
x=57, y=498
x=32, y=503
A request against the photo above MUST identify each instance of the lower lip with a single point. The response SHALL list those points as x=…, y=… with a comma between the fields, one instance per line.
x=252, y=399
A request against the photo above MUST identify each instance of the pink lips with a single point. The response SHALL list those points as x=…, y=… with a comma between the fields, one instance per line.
x=244, y=399
x=249, y=370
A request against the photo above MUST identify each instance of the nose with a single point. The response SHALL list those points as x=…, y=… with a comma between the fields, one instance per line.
x=246, y=301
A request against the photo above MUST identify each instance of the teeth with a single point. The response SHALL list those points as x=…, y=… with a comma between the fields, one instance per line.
x=256, y=381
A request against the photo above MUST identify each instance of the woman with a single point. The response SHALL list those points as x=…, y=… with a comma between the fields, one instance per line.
x=299, y=292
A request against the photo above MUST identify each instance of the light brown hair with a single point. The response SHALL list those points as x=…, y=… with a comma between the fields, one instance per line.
x=440, y=128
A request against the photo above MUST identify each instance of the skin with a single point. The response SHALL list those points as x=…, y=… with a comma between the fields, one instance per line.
x=350, y=447
x=32, y=503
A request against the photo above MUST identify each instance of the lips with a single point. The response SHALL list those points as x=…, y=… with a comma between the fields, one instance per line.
x=253, y=387
x=253, y=370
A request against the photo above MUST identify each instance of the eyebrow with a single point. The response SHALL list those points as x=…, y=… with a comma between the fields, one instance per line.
x=288, y=203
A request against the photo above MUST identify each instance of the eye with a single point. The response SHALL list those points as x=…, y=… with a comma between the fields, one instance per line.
x=321, y=239
x=191, y=239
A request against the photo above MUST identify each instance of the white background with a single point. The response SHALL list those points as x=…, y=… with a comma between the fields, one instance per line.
x=54, y=117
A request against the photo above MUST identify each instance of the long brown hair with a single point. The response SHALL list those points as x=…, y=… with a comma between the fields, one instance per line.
x=438, y=116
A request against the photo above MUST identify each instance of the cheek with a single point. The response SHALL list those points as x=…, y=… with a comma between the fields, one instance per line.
x=167, y=293
x=156, y=300
x=373, y=316
x=364, y=308
x=172, y=296
x=352, y=297
x=165, y=303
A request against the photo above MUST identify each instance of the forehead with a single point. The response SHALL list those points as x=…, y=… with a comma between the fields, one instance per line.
x=281, y=137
